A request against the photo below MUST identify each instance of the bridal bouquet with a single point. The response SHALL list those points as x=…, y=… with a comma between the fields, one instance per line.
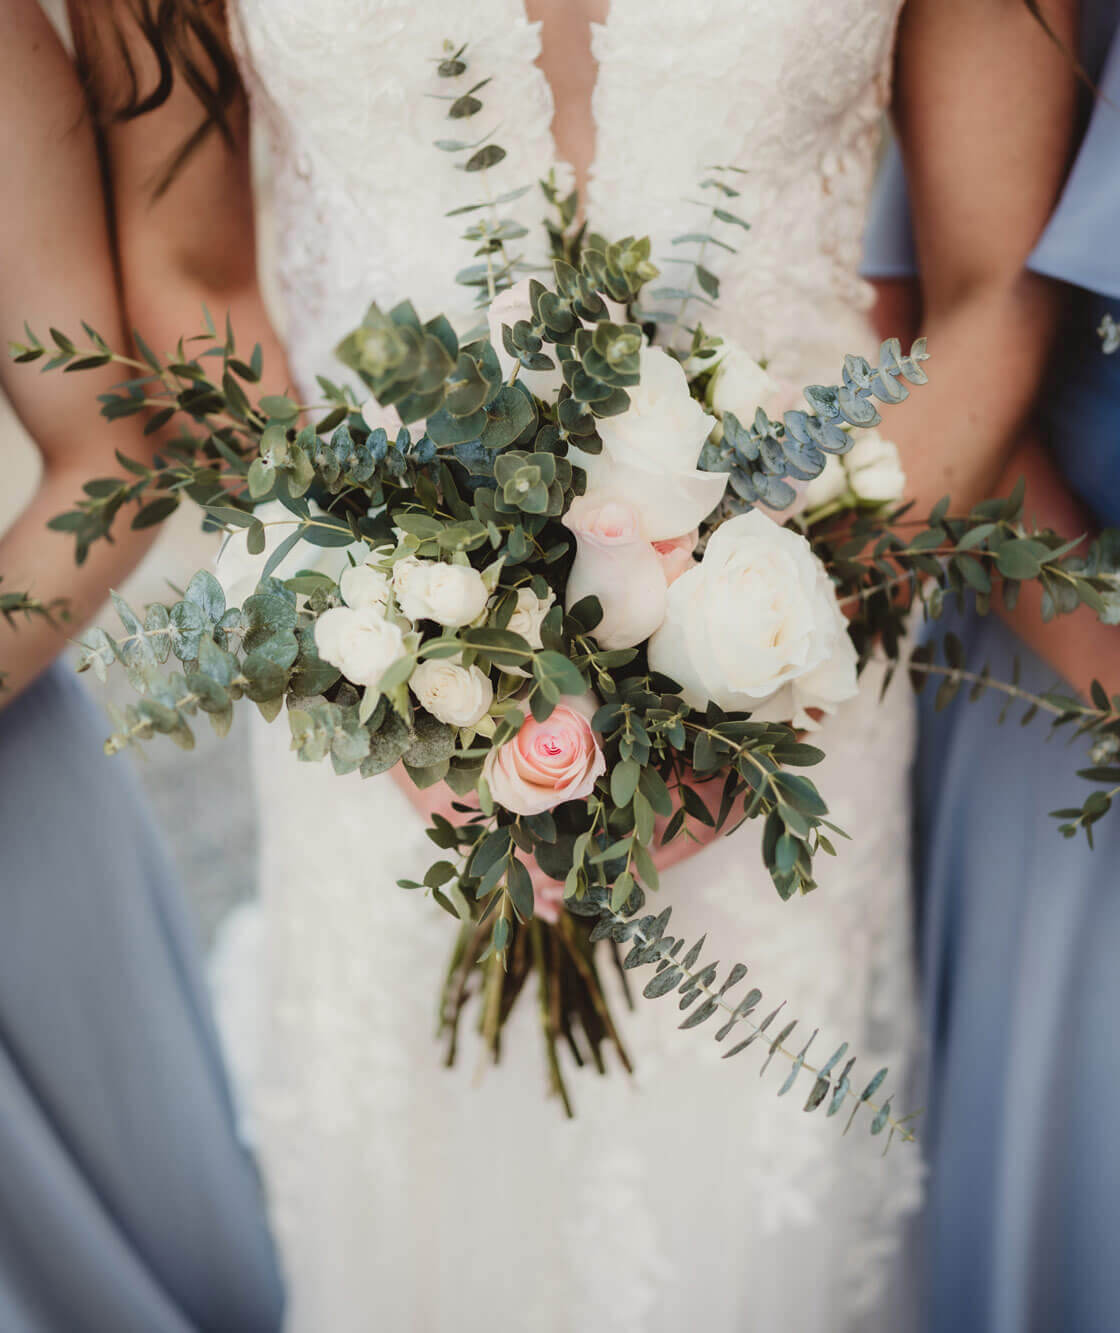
x=576, y=572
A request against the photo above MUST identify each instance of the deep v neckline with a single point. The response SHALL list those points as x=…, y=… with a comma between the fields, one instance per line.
x=575, y=91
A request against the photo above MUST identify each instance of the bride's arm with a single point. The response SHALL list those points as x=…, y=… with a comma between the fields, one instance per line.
x=56, y=268
x=984, y=106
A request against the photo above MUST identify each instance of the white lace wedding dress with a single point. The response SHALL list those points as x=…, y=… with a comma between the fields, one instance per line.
x=413, y=1198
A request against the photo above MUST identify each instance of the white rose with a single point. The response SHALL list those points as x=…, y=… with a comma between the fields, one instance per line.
x=362, y=644
x=507, y=308
x=239, y=572
x=650, y=452
x=874, y=468
x=739, y=385
x=457, y=695
x=452, y=595
x=756, y=627
x=363, y=586
x=528, y=615
x=617, y=564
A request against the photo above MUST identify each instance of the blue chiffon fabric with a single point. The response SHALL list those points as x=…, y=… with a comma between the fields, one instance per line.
x=127, y=1203
x=1019, y=930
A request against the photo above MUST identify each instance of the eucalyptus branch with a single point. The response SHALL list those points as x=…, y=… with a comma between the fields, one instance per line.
x=1099, y=721
x=699, y=275
x=651, y=946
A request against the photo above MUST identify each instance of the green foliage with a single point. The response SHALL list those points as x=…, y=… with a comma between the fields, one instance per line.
x=882, y=564
x=207, y=462
x=16, y=606
x=702, y=284
x=677, y=968
x=1098, y=721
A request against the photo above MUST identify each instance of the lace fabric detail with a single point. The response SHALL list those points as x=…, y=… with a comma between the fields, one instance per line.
x=348, y=94
x=418, y=1197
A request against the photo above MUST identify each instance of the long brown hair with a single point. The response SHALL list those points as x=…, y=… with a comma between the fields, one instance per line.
x=188, y=41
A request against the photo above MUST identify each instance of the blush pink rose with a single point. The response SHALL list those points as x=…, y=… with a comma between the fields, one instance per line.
x=545, y=764
x=675, y=555
x=616, y=563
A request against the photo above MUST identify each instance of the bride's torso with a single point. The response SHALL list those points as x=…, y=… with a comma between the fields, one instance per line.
x=371, y=1148
x=789, y=91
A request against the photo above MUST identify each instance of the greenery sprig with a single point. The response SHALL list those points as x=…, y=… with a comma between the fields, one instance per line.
x=678, y=968
x=17, y=606
x=760, y=455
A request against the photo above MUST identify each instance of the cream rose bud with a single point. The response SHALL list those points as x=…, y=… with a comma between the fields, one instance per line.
x=361, y=643
x=457, y=695
x=755, y=627
x=545, y=764
x=739, y=385
x=363, y=586
x=451, y=595
x=529, y=614
x=618, y=565
x=507, y=308
x=650, y=452
x=874, y=468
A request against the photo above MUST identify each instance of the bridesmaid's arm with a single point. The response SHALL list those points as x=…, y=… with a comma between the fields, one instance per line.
x=1078, y=646
x=56, y=269
x=194, y=242
x=984, y=107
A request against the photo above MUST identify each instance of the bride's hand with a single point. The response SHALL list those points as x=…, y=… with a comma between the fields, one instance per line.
x=434, y=800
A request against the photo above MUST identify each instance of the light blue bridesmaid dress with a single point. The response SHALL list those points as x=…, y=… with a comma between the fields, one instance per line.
x=127, y=1204
x=1019, y=932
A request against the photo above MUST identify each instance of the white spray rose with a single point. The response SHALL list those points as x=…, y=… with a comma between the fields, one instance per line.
x=526, y=620
x=528, y=614
x=361, y=643
x=507, y=308
x=363, y=586
x=451, y=595
x=875, y=469
x=239, y=572
x=739, y=385
x=756, y=627
x=457, y=695
x=871, y=470
x=650, y=452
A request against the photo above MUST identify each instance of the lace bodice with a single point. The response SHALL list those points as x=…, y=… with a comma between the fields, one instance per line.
x=789, y=90
x=404, y=1195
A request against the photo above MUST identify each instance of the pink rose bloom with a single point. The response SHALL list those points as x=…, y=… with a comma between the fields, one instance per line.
x=545, y=764
x=676, y=555
x=616, y=563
